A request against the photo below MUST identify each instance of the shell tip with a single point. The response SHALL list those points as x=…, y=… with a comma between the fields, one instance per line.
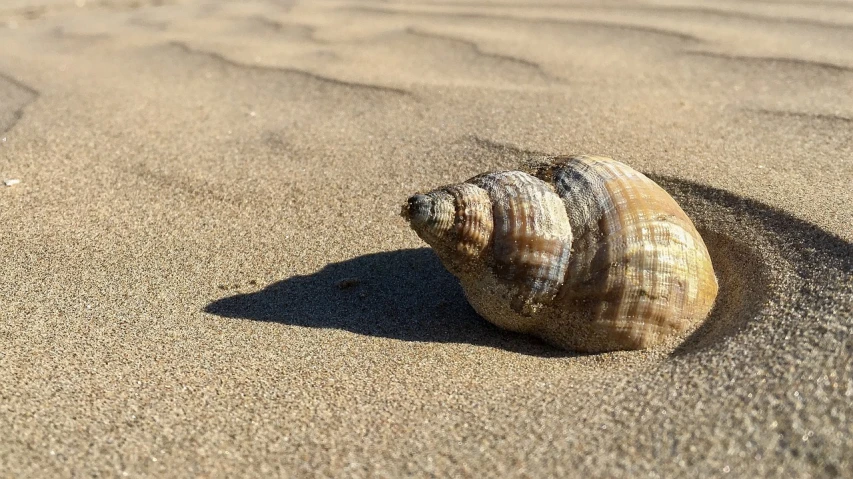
x=417, y=209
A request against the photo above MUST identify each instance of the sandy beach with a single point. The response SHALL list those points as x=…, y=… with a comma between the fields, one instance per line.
x=204, y=273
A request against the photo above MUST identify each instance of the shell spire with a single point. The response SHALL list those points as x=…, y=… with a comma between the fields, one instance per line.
x=582, y=251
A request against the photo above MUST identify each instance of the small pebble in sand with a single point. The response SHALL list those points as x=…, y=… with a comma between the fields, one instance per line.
x=348, y=283
x=11, y=182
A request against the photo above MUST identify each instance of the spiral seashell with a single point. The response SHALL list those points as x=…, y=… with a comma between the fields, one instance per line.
x=582, y=251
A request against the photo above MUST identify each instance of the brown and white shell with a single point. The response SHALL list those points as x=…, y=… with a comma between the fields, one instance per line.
x=582, y=251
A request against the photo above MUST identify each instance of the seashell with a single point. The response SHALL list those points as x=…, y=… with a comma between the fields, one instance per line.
x=582, y=251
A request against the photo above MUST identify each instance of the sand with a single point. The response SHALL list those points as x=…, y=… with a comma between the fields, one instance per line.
x=203, y=271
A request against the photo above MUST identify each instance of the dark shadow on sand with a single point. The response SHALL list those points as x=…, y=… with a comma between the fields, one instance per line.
x=408, y=295
x=405, y=295
x=734, y=228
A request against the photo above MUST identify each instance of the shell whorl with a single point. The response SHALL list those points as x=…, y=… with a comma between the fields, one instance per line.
x=583, y=251
x=532, y=237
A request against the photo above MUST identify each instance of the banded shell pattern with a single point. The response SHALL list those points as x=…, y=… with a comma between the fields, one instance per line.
x=582, y=251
